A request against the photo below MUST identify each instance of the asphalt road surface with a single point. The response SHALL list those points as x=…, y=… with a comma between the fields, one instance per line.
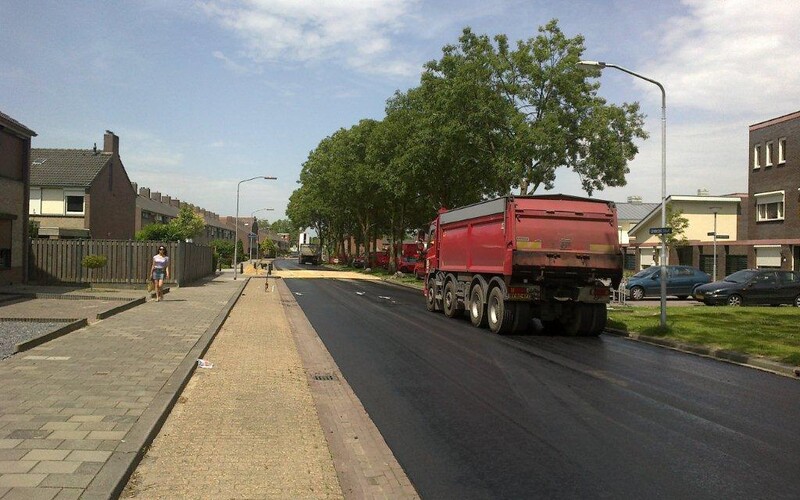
x=472, y=415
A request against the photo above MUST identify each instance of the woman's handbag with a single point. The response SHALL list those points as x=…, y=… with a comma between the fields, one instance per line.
x=150, y=286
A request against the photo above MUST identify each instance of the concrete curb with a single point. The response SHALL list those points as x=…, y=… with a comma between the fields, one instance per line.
x=738, y=358
x=119, y=309
x=112, y=478
x=74, y=324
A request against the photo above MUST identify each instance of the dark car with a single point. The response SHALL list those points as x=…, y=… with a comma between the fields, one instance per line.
x=681, y=282
x=753, y=287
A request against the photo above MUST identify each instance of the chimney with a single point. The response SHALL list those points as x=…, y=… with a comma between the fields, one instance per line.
x=166, y=199
x=110, y=143
x=175, y=202
x=155, y=196
x=636, y=200
x=143, y=191
x=135, y=187
x=702, y=192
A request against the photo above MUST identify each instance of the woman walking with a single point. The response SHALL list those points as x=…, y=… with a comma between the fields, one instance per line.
x=159, y=270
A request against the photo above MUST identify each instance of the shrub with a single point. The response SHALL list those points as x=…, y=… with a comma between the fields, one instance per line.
x=94, y=261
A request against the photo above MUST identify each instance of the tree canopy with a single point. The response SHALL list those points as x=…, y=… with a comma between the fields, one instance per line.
x=185, y=226
x=488, y=118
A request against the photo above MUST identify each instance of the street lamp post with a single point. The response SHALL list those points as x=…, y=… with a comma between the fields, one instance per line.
x=236, y=221
x=715, y=210
x=602, y=65
x=252, y=216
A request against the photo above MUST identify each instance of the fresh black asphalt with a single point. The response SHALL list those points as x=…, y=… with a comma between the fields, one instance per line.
x=473, y=415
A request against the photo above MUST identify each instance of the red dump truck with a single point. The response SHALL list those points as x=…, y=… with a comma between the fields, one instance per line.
x=512, y=259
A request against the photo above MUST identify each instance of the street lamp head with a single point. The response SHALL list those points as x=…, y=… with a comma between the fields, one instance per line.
x=591, y=64
x=270, y=178
x=714, y=209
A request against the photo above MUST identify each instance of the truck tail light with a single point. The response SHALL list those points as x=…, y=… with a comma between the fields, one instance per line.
x=600, y=291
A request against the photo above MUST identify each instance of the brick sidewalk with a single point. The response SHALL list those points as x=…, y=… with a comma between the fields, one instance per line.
x=76, y=412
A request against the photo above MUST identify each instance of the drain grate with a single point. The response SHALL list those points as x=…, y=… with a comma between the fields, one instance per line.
x=324, y=376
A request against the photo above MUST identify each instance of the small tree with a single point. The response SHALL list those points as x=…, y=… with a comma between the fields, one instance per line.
x=679, y=224
x=187, y=224
x=268, y=248
x=224, y=249
x=94, y=261
x=157, y=232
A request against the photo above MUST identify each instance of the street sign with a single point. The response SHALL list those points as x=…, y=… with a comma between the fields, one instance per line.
x=710, y=234
x=723, y=236
x=660, y=230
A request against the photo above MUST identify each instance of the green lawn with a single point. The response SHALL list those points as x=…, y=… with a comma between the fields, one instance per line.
x=773, y=332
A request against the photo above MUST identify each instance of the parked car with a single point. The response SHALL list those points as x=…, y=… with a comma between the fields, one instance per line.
x=681, y=282
x=406, y=264
x=753, y=287
x=358, y=261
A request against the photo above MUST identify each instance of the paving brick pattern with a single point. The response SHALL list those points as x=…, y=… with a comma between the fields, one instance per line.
x=67, y=406
x=247, y=427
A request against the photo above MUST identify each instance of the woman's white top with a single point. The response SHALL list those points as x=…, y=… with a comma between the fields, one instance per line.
x=160, y=261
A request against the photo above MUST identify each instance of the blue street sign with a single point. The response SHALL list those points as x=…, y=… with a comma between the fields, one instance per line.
x=660, y=230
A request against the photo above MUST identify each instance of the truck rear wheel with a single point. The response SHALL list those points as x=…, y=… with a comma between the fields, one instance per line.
x=500, y=316
x=450, y=300
x=430, y=297
x=593, y=319
x=477, y=306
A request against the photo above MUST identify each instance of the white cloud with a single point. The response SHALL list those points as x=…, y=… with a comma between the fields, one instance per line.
x=239, y=69
x=733, y=56
x=356, y=31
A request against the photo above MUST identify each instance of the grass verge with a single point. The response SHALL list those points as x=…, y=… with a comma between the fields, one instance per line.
x=773, y=332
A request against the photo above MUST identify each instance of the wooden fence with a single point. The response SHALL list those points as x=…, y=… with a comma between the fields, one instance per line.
x=59, y=261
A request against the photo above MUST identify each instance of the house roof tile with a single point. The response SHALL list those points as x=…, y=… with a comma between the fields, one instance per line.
x=17, y=127
x=66, y=167
x=634, y=211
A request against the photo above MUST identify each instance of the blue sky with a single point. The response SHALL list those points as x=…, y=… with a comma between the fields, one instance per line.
x=206, y=93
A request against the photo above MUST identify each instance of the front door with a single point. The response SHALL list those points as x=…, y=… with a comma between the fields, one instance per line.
x=796, y=259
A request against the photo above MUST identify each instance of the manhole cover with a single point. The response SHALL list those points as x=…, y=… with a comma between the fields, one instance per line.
x=324, y=376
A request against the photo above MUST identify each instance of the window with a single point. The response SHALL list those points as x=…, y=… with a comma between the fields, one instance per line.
x=782, y=150
x=768, y=160
x=768, y=256
x=769, y=206
x=73, y=203
x=757, y=156
x=788, y=277
x=35, y=206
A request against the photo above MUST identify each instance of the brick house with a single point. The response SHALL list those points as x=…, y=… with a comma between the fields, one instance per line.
x=773, y=226
x=153, y=207
x=82, y=193
x=15, y=150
